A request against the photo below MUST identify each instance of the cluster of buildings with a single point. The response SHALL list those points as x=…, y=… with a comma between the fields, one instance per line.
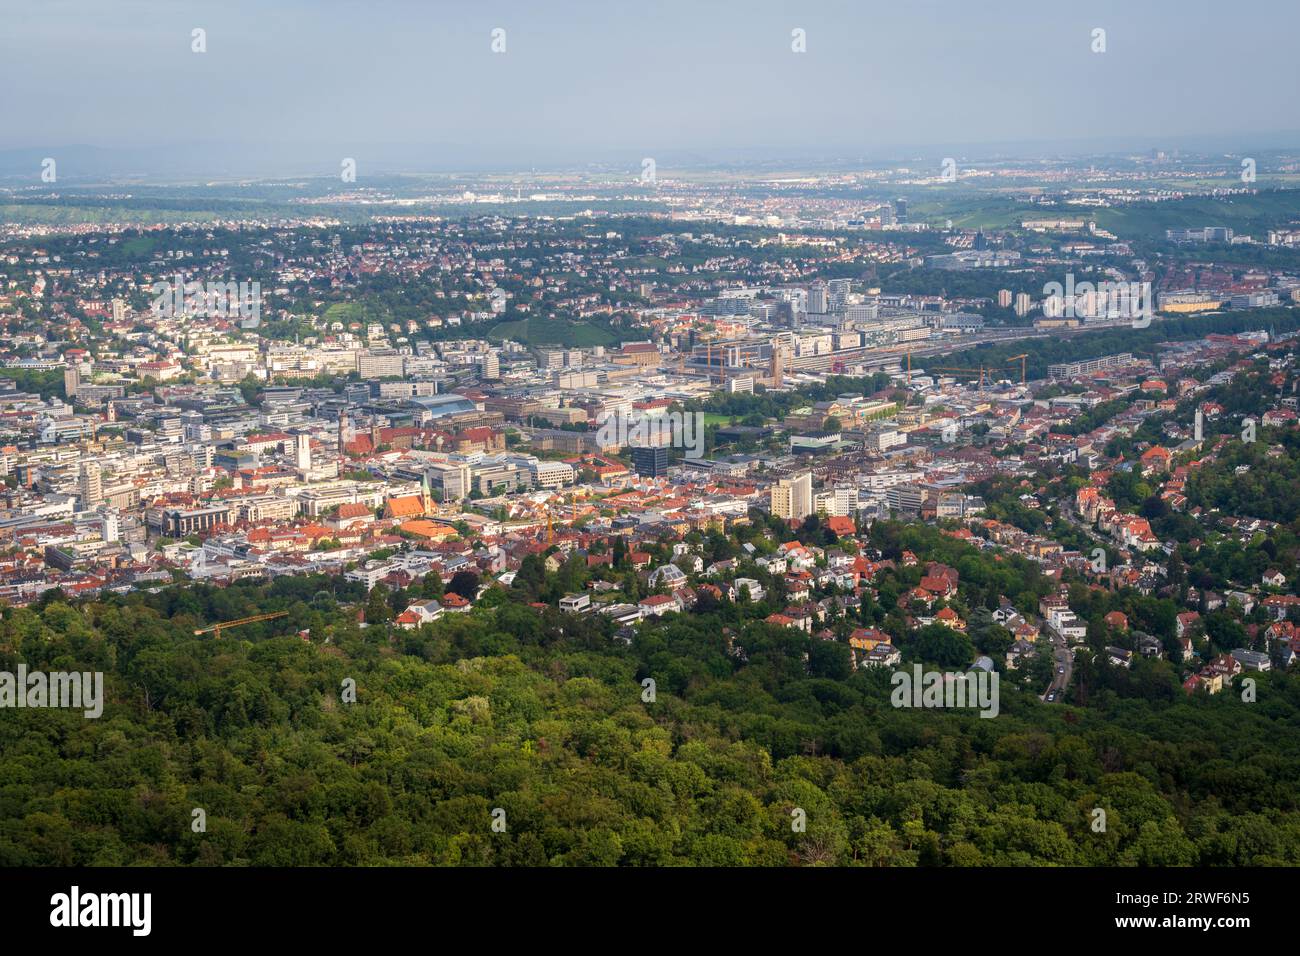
x=139, y=446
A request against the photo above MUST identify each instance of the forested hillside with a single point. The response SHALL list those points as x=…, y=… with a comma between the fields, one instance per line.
x=516, y=709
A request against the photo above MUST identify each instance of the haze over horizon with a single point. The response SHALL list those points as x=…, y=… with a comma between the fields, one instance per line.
x=409, y=87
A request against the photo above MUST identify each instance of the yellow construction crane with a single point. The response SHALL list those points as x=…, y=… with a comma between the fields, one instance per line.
x=216, y=629
x=1021, y=358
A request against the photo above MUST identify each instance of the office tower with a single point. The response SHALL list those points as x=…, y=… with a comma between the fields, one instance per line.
x=71, y=382
x=650, y=461
x=838, y=293
x=302, y=452
x=900, y=210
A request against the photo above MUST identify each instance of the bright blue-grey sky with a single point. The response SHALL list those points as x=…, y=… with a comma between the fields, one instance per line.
x=587, y=80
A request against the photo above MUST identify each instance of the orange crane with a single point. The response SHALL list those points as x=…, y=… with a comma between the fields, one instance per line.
x=216, y=629
x=550, y=518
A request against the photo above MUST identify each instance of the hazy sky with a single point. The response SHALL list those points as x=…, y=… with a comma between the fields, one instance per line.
x=587, y=80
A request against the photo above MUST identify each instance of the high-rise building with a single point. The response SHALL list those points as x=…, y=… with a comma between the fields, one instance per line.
x=900, y=210
x=650, y=461
x=1023, y=303
x=792, y=498
x=1004, y=298
x=302, y=452
x=838, y=294
x=90, y=484
x=819, y=298
x=71, y=381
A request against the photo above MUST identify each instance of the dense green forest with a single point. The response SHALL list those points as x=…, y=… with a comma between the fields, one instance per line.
x=1265, y=485
x=544, y=718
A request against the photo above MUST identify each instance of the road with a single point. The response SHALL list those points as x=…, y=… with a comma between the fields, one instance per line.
x=1062, y=656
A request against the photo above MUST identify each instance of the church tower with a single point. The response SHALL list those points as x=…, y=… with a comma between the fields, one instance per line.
x=426, y=495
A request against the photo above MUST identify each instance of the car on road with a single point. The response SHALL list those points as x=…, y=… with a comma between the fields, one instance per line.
x=1061, y=669
x=1051, y=697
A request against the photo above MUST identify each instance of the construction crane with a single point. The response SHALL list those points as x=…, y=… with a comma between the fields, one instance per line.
x=216, y=629
x=985, y=372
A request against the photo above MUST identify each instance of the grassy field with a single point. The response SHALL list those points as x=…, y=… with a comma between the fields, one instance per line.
x=345, y=312
x=140, y=246
x=714, y=418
